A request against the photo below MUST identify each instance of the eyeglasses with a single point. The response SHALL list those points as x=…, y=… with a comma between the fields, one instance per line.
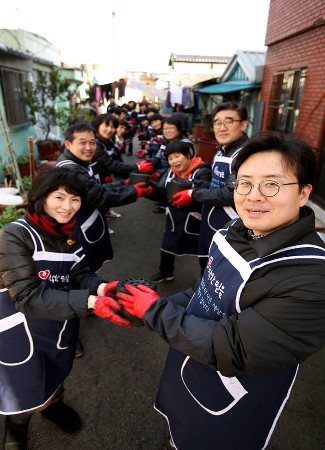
x=268, y=188
x=226, y=123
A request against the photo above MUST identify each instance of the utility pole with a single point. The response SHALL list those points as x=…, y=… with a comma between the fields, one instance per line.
x=113, y=45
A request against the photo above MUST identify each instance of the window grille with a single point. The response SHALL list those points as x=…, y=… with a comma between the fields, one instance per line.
x=12, y=83
x=286, y=93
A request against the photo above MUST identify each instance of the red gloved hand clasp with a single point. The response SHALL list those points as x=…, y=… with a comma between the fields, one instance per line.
x=105, y=289
x=142, y=190
x=141, y=153
x=154, y=176
x=103, y=308
x=138, y=301
x=182, y=198
x=145, y=167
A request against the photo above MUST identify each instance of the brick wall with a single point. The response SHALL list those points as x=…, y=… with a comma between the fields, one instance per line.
x=304, y=50
x=289, y=17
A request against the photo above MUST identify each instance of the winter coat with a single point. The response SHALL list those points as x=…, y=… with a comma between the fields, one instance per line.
x=19, y=275
x=282, y=318
x=104, y=156
x=99, y=195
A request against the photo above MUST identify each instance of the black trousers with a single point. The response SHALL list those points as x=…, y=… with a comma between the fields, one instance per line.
x=167, y=262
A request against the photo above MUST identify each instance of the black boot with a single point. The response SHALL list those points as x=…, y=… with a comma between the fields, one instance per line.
x=62, y=415
x=16, y=432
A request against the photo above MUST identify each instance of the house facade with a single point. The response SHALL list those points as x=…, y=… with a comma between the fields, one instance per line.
x=293, y=88
x=241, y=82
x=22, y=54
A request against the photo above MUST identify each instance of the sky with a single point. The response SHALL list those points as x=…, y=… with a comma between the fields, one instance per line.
x=130, y=35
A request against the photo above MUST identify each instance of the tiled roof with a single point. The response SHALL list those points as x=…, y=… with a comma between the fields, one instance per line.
x=198, y=59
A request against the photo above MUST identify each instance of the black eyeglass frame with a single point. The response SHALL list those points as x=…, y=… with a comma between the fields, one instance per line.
x=223, y=122
x=279, y=185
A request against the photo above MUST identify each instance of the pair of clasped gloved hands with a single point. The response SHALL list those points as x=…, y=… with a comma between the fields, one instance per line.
x=182, y=198
x=141, y=188
x=136, y=303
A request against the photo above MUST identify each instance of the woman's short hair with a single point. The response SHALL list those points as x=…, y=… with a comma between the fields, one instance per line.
x=173, y=121
x=156, y=116
x=50, y=179
x=107, y=119
x=178, y=147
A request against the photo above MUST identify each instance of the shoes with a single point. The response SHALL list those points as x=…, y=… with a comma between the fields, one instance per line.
x=79, y=349
x=159, y=277
x=16, y=435
x=110, y=215
x=62, y=415
x=159, y=210
x=111, y=231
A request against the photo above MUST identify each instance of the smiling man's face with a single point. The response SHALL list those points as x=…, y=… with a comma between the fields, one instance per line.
x=83, y=145
x=226, y=134
x=262, y=214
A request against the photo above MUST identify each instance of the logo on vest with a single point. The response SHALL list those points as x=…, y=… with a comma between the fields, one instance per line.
x=44, y=274
x=70, y=242
x=219, y=173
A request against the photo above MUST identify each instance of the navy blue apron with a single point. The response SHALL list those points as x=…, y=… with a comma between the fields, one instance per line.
x=214, y=218
x=92, y=223
x=36, y=355
x=182, y=226
x=204, y=409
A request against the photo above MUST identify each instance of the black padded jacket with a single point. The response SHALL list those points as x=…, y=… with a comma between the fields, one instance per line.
x=282, y=318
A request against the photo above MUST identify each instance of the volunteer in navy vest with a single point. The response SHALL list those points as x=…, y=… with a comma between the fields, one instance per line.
x=172, y=132
x=105, y=126
x=45, y=286
x=259, y=310
x=229, y=124
x=183, y=215
x=80, y=148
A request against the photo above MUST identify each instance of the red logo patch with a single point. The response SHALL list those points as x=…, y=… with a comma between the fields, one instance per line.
x=44, y=274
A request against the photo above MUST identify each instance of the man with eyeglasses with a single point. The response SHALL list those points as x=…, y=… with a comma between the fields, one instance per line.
x=229, y=123
x=236, y=342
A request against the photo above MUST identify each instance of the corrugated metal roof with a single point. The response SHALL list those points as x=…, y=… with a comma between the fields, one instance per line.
x=198, y=59
x=251, y=62
x=222, y=88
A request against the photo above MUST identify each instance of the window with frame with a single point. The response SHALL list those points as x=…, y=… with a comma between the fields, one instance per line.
x=12, y=84
x=286, y=93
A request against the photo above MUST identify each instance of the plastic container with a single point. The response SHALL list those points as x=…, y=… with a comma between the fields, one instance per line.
x=139, y=178
x=177, y=185
x=136, y=322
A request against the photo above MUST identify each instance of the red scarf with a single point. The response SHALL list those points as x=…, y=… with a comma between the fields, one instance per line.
x=51, y=226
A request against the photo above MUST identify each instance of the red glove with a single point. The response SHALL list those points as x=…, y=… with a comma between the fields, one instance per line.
x=158, y=140
x=142, y=191
x=154, y=176
x=182, y=198
x=108, y=179
x=138, y=301
x=105, y=289
x=145, y=167
x=141, y=153
x=127, y=182
x=103, y=308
